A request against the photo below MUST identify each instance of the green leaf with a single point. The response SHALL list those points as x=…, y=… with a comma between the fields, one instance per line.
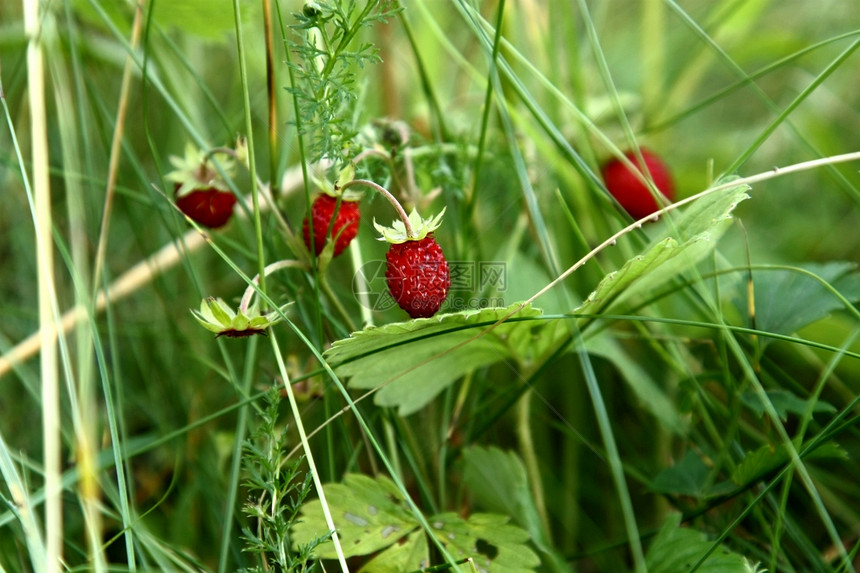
x=410, y=554
x=495, y=546
x=767, y=459
x=369, y=515
x=498, y=482
x=785, y=403
x=686, y=240
x=687, y=477
x=786, y=300
x=676, y=549
x=402, y=355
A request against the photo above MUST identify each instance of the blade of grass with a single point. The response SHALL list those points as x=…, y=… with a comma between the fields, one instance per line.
x=297, y=417
x=249, y=133
x=440, y=128
x=270, y=91
x=783, y=114
x=746, y=80
x=471, y=198
x=22, y=505
x=82, y=398
x=653, y=49
x=101, y=250
x=236, y=456
x=34, y=28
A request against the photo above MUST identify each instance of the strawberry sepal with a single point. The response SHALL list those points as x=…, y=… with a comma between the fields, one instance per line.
x=396, y=233
x=216, y=316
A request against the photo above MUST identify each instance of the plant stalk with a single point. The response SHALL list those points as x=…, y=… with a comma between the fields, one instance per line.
x=52, y=559
x=297, y=416
x=391, y=199
x=249, y=129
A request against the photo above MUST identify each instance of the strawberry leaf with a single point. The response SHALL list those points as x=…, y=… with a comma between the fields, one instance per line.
x=787, y=300
x=415, y=360
x=371, y=516
x=785, y=402
x=689, y=476
x=677, y=548
x=409, y=554
x=768, y=458
x=499, y=483
x=687, y=239
x=495, y=546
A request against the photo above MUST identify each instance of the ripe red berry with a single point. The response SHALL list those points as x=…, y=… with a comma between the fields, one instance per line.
x=629, y=191
x=210, y=207
x=200, y=190
x=345, y=226
x=417, y=275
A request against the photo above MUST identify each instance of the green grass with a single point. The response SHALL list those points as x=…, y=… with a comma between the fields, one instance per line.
x=717, y=391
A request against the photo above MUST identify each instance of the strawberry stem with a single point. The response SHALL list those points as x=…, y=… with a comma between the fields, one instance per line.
x=222, y=149
x=276, y=266
x=391, y=199
x=408, y=190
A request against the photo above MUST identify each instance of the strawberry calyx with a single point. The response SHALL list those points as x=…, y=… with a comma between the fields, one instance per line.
x=196, y=172
x=399, y=233
x=340, y=188
x=216, y=316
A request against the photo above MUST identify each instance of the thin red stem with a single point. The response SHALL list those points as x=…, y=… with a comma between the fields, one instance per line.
x=391, y=199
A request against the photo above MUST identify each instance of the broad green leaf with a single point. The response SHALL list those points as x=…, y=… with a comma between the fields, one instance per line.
x=409, y=554
x=786, y=301
x=768, y=458
x=676, y=549
x=369, y=515
x=687, y=477
x=498, y=482
x=685, y=241
x=646, y=389
x=618, y=281
x=785, y=403
x=495, y=546
x=403, y=356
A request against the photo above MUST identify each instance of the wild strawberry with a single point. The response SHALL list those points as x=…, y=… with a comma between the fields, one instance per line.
x=344, y=228
x=417, y=273
x=636, y=198
x=209, y=207
x=200, y=191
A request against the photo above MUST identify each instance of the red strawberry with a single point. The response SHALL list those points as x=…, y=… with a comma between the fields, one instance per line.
x=633, y=194
x=210, y=207
x=345, y=225
x=417, y=273
x=200, y=191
